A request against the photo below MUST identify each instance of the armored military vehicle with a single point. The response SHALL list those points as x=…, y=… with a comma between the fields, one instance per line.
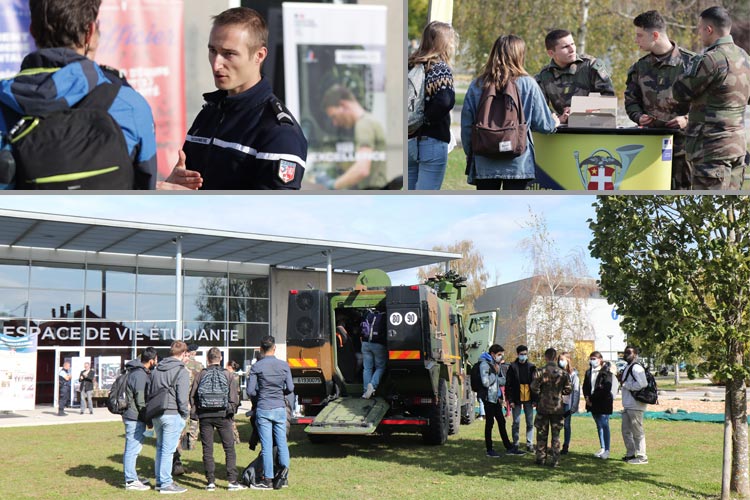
x=426, y=385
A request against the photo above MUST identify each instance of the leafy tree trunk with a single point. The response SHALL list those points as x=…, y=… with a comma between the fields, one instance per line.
x=737, y=399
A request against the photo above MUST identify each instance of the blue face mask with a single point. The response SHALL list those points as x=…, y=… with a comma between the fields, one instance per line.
x=594, y=363
x=522, y=358
x=562, y=363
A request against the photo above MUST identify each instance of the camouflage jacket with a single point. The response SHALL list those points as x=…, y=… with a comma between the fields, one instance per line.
x=194, y=367
x=648, y=90
x=559, y=85
x=717, y=86
x=550, y=384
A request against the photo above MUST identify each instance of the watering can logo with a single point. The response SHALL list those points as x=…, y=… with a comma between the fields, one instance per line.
x=602, y=171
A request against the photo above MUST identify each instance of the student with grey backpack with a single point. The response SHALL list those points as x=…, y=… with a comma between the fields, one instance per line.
x=430, y=100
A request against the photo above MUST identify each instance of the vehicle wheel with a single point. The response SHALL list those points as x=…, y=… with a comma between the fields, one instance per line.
x=454, y=409
x=438, y=416
x=467, y=410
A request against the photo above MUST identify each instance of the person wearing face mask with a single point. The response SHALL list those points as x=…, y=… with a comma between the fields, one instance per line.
x=633, y=378
x=491, y=373
x=597, y=391
x=571, y=400
x=518, y=391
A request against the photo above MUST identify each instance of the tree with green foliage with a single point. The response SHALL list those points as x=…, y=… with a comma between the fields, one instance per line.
x=678, y=269
x=417, y=18
x=602, y=29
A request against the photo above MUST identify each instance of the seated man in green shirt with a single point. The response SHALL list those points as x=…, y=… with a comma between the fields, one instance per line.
x=369, y=169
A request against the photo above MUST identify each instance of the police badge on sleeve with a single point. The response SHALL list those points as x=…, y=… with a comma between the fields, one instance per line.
x=287, y=169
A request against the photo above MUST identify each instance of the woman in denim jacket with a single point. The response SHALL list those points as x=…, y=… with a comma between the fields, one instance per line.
x=505, y=63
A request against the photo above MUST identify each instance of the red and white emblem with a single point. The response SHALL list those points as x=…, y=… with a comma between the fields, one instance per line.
x=601, y=178
x=287, y=170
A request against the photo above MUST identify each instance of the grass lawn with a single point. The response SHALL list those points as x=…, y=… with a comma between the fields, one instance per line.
x=85, y=462
x=455, y=178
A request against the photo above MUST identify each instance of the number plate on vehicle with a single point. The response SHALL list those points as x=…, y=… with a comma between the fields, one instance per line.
x=306, y=380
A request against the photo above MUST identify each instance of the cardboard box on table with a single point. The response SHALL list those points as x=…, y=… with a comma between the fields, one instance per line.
x=593, y=111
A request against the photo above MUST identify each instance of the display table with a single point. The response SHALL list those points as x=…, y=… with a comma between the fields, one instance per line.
x=604, y=159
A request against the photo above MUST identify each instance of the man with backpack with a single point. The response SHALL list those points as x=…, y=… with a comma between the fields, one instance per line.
x=62, y=106
x=167, y=407
x=633, y=379
x=214, y=399
x=491, y=380
x=269, y=382
x=137, y=387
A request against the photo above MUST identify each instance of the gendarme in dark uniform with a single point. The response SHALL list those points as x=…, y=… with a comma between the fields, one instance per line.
x=246, y=141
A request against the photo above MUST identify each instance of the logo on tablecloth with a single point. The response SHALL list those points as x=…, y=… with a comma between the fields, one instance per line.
x=602, y=171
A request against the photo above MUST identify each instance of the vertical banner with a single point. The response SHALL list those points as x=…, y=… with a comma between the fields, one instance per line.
x=109, y=369
x=15, y=40
x=327, y=46
x=144, y=40
x=17, y=372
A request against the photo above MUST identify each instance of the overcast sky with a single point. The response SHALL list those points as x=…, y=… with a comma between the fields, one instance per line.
x=493, y=222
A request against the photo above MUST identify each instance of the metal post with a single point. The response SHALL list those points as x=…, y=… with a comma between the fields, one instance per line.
x=178, y=291
x=329, y=271
x=611, y=356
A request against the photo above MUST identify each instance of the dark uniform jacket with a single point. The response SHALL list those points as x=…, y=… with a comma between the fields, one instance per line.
x=246, y=141
x=139, y=384
x=585, y=75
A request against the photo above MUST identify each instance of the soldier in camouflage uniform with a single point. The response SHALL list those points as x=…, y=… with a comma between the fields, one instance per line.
x=550, y=384
x=648, y=91
x=570, y=74
x=717, y=86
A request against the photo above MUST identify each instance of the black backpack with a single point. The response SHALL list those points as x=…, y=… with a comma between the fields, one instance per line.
x=117, y=399
x=213, y=390
x=500, y=129
x=476, y=379
x=649, y=394
x=78, y=148
x=373, y=326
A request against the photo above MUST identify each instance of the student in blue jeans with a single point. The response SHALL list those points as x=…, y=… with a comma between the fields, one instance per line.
x=139, y=384
x=269, y=382
x=597, y=390
x=428, y=145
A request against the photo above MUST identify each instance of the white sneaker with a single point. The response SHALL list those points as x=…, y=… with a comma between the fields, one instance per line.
x=137, y=486
x=369, y=392
x=605, y=455
x=599, y=453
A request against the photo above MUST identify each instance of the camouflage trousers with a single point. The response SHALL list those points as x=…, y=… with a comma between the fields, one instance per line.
x=718, y=174
x=189, y=437
x=544, y=424
x=235, y=432
x=681, y=175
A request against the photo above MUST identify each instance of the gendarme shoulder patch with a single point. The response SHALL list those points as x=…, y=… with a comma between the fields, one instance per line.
x=287, y=170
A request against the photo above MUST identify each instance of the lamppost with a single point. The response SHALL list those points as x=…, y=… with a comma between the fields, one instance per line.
x=612, y=358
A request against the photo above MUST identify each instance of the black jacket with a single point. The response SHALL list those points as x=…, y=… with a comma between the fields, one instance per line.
x=87, y=382
x=139, y=383
x=233, y=396
x=246, y=141
x=600, y=399
x=519, y=373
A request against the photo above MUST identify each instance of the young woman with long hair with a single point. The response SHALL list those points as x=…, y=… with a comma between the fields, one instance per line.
x=597, y=390
x=506, y=63
x=428, y=145
x=573, y=399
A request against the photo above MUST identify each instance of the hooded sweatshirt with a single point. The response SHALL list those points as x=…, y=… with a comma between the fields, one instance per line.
x=490, y=379
x=57, y=79
x=139, y=383
x=169, y=370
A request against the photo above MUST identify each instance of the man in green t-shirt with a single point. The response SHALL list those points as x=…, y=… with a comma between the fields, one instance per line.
x=368, y=170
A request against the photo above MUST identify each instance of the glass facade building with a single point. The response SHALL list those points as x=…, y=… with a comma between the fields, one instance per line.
x=103, y=310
